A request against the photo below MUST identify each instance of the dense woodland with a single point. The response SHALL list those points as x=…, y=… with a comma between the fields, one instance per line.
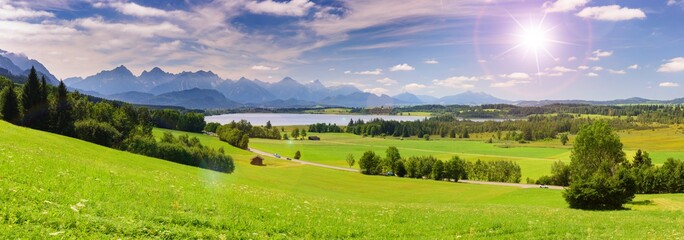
x=38, y=105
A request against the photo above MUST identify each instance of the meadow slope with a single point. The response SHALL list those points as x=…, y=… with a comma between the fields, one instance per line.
x=53, y=186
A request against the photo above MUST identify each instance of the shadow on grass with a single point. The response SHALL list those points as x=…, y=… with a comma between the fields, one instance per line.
x=642, y=203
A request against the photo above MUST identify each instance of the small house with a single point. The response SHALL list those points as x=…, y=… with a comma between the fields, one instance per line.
x=314, y=138
x=257, y=161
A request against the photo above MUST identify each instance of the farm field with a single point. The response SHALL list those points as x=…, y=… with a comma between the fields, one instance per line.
x=96, y=192
x=535, y=158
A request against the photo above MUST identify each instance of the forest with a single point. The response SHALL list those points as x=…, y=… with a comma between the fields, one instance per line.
x=38, y=105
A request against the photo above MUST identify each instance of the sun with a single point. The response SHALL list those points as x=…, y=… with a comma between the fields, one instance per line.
x=535, y=38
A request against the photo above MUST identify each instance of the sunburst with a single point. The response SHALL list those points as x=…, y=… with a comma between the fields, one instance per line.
x=534, y=38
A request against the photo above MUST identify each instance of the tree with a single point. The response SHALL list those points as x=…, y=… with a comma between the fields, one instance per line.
x=527, y=134
x=268, y=125
x=297, y=155
x=599, y=180
x=560, y=174
x=452, y=133
x=285, y=137
x=426, y=137
x=30, y=99
x=295, y=133
x=392, y=157
x=641, y=159
x=303, y=133
x=10, y=105
x=350, y=160
x=64, y=122
x=465, y=134
x=564, y=138
x=438, y=170
x=369, y=163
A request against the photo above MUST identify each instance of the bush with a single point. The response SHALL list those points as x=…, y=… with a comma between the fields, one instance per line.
x=97, y=132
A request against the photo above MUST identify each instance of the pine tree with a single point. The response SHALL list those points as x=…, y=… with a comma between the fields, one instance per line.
x=30, y=98
x=64, y=123
x=10, y=105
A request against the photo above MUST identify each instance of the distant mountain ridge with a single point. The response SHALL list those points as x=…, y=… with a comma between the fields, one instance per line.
x=18, y=66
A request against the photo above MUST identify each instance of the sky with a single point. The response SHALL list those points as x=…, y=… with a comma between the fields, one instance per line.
x=512, y=49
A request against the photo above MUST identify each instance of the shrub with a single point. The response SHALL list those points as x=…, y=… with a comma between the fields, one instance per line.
x=97, y=132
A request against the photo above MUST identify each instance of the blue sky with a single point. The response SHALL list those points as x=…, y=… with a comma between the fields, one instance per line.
x=559, y=49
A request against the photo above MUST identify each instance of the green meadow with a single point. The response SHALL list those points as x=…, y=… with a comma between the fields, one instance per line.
x=535, y=158
x=57, y=187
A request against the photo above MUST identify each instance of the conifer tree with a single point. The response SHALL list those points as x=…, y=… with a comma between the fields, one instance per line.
x=64, y=123
x=30, y=98
x=10, y=105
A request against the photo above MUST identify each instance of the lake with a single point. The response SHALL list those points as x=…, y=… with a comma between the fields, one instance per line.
x=290, y=119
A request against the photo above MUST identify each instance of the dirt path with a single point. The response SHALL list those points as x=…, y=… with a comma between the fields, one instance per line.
x=304, y=162
x=520, y=185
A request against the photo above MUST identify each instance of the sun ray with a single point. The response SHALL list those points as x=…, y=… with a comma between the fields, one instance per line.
x=534, y=38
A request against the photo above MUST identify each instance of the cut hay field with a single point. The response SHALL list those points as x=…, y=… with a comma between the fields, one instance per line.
x=57, y=187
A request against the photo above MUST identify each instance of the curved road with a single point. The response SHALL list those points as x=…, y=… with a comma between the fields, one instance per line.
x=520, y=185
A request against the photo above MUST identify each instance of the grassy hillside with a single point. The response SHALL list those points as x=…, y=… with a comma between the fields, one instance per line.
x=52, y=186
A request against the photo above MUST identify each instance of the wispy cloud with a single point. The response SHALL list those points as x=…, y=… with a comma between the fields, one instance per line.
x=386, y=81
x=12, y=12
x=290, y=8
x=668, y=84
x=635, y=66
x=413, y=87
x=620, y=72
x=431, y=61
x=264, y=68
x=598, y=54
x=564, y=5
x=377, y=71
x=591, y=74
x=459, y=82
x=377, y=91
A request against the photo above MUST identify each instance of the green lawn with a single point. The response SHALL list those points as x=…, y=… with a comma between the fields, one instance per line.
x=57, y=187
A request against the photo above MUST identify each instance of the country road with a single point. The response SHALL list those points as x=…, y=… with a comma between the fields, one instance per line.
x=520, y=185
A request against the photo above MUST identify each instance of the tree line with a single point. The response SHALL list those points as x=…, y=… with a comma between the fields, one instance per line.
x=429, y=167
x=38, y=105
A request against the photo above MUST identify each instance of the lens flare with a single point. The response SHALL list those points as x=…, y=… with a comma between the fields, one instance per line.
x=534, y=38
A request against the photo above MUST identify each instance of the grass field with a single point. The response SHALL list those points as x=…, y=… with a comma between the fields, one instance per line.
x=57, y=187
x=535, y=158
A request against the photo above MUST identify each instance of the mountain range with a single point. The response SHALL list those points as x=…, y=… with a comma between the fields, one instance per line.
x=206, y=90
x=155, y=84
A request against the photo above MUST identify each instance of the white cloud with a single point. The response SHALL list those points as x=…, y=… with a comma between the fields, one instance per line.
x=561, y=69
x=673, y=65
x=564, y=5
x=675, y=2
x=668, y=84
x=616, y=71
x=570, y=59
x=583, y=67
x=591, y=74
x=516, y=75
x=598, y=54
x=386, y=81
x=331, y=69
x=347, y=72
x=431, y=61
x=597, y=68
x=292, y=8
x=377, y=71
x=635, y=66
x=611, y=13
x=482, y=61
x=264, y=68
x=377, y=91
x=133, y=9
x=402, y=67
x=509, y=83
x=460, y=82
x=413, y=87
x=11, y=12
